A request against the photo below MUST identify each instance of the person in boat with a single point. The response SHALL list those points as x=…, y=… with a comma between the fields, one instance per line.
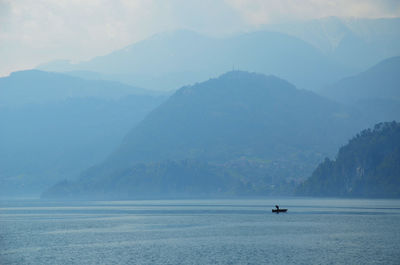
x=277, y=207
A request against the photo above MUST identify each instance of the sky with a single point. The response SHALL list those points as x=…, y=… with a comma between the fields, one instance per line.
x=38, y=31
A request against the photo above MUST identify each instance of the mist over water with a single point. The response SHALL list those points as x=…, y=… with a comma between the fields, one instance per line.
x=314, y=231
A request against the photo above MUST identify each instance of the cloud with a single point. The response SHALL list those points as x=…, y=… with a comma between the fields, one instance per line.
x=38, y=31
x=257, y=12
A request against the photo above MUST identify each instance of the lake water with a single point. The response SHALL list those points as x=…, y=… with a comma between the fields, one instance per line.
x=313, y=231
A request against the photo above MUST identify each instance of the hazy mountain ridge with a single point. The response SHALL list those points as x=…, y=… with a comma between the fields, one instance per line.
x=309, y=54
x=279, y=131
x=170, y=60
x=355, y=42
x=34, y=87
x=381, y=81
x=368, y=166
x=61, y=125
x=376, y=91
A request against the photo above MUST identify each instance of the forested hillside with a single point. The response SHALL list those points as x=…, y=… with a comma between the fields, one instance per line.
x=368, y=166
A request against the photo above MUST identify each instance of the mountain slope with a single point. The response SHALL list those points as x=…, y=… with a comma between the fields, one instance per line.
x=376, y=92
x=368, y=166
x=258, y=131
x=170, y=60
x=354, y=42
x=382, y=81
x=34, y=86
x=53, y=126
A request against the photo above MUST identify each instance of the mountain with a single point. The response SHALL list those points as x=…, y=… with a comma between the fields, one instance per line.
x=34, y=86
x=379, y=82
x=354, y=42
x=368, y=166
x=53, y=126
x=232, y=116
x=375, y=91
x=170, y=60
x=253, y=132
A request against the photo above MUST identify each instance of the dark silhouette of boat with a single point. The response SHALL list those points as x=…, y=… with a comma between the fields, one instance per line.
x=279, y=210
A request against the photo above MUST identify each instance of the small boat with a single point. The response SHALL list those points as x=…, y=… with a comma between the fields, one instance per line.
x=279, y=210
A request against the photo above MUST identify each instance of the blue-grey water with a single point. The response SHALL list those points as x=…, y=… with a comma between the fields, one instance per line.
x=313, y=231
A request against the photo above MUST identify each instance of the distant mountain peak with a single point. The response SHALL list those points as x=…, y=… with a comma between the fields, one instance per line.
x=246, y=76
x=392, y=62
x=170, y=60
x=29, y=72
x=238, y=74
x=36, y=86
x=381, y=81
x=239, y=81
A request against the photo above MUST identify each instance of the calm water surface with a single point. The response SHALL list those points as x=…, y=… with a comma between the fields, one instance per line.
x=314, y=231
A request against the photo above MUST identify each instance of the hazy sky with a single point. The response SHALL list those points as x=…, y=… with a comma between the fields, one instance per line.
x=37, y=31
